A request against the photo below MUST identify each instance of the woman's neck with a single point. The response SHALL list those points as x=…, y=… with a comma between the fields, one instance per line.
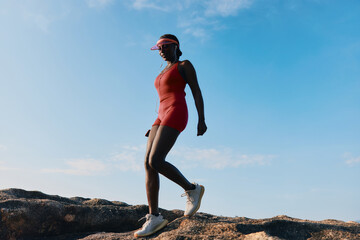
x=169, y=63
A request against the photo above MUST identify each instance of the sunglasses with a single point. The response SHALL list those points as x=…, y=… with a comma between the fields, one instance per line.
x=164, y=46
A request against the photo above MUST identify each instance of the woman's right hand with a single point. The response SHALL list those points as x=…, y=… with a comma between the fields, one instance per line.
x=201, y=128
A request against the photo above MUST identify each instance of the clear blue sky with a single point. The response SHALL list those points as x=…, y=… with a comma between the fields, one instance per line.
x=280, y=81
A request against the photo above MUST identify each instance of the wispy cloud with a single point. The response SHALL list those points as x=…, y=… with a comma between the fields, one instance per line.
x=197, y=25
x=3, y=147
x=207, y=17
x=40, y=15
x=150, y=4
x=219, y=158
x=196, y=17
x=98, y=3
x=350, y=160
x=130, y=158
x=226, y=8
x=82, y=167
x=210, y=8
x=4, y=166
x=39, y=20
x=197, y=32
x=33, y=14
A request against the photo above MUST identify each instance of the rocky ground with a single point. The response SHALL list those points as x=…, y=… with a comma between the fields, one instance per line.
x=32, y=215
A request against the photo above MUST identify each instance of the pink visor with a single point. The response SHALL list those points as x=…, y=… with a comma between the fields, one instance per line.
x=163, y=41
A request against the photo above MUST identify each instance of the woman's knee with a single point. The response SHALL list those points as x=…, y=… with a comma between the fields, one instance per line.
x=147, y=162
x=156, y=162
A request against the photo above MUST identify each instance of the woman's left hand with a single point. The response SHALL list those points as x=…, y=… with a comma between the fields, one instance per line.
x=201, y=128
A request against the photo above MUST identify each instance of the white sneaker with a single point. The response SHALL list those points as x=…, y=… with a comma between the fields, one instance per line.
x=152, y=225
x=193, y=199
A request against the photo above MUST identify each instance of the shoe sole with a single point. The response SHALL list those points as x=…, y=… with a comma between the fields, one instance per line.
x=199, y=203
x=158, y=228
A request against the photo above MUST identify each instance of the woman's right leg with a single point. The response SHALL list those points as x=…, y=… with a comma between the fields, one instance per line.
x=164, y=140
x=152, y=181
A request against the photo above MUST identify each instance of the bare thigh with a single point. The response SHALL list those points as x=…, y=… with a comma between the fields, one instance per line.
x=150, y=141
x=164, y=140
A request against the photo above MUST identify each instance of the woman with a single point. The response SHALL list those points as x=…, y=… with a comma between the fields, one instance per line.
x=171, y=121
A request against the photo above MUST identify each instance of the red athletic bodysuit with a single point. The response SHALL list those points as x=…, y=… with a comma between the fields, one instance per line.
x=170, y=86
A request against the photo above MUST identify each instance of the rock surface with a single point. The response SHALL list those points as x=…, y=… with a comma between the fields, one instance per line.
x=32, y=215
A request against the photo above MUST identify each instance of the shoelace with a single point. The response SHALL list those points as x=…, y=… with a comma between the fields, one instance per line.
x=147, y=222
x=187, y=194
x=147, y=216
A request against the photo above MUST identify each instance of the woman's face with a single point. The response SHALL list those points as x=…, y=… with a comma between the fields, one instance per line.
x=168, y=51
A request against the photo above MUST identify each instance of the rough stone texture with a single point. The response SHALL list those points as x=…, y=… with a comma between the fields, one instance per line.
x=25, y=214
x=32, y=215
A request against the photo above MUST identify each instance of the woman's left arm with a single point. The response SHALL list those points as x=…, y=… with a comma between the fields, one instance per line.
x=187, y=71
